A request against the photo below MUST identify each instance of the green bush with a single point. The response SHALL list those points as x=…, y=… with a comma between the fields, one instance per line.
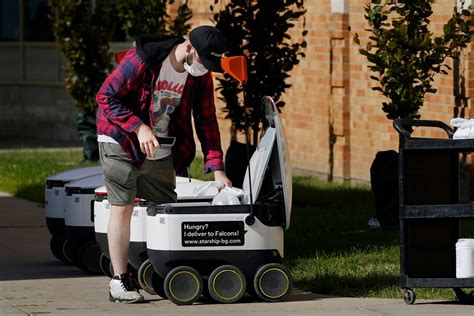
x=149, y=17
x=405, y=55
x=261, y=31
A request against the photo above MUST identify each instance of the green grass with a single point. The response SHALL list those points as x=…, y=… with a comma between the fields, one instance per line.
x=23, y=172
x=330, y=250
x=328, y=246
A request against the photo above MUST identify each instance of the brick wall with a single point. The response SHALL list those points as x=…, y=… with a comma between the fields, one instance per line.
x=334, y=121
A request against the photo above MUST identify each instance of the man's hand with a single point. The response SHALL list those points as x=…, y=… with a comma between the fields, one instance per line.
x=147, y=140
x=222, y=177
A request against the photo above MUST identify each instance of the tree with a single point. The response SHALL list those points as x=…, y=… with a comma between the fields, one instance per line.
x=148, y=17
x=83, y=33
x=261, y=31
x=84, y=30
x=405, y=55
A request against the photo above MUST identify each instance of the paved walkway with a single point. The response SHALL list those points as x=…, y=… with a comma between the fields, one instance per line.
x=33, y=282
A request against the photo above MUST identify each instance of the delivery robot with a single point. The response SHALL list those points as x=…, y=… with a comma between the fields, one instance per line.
x=54, y=207
x=79, y=222
x=139, y=263
x=229, y=250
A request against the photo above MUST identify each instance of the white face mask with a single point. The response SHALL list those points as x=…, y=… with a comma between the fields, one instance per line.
x=195, y=69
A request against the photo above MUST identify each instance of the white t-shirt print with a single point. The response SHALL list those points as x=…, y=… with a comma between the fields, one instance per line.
x=166, y=98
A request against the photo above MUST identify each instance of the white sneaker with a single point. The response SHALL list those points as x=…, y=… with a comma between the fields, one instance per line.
x=123, y=291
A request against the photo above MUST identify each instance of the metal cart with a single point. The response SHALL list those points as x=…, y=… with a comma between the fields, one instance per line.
x=431, y=209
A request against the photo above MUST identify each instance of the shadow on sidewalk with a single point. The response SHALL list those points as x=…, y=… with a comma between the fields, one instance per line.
x=24, y=244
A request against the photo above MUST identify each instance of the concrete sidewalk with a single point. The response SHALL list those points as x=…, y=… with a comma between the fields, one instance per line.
x=33, y=282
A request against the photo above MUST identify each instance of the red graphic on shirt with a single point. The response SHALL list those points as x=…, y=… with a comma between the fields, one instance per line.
x=170, y=86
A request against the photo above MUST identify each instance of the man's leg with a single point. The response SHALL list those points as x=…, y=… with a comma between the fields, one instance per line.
x=120, y=181
x=121, y=288
x=118, y=235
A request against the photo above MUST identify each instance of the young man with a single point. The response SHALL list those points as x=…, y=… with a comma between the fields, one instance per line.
x=154, y=91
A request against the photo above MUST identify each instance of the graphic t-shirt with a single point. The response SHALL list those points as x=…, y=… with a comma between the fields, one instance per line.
x=166, y=98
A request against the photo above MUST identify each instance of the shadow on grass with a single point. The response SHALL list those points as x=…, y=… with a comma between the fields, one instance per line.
x=332, y=218
x=349, y=286
x=329, y=226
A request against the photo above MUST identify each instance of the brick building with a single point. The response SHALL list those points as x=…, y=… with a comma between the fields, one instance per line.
x=333, y=119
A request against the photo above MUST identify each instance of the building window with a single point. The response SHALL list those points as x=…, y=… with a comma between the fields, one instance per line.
x=9, y=20
x=36, y=21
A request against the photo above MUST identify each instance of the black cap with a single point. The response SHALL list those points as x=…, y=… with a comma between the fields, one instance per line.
x=210, y=45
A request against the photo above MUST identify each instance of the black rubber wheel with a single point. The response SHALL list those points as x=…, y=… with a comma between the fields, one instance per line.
x=56, y=245
x=464, y=297
x=409, y=296
x=105, y=265
x=71, y=251
x=183, y=285
x=144, y=277
x=227, y=284
x=89, y=258
x=158, y=284
x=272, y=282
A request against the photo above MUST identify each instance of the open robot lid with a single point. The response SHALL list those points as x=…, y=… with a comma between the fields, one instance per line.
x=273, y=153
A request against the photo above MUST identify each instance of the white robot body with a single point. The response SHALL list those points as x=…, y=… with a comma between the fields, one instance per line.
x=196, y=232
x=55, y=195
x=137, y=249
x=206, y=238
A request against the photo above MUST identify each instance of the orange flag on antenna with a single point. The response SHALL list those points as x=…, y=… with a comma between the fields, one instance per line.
x=236, y=66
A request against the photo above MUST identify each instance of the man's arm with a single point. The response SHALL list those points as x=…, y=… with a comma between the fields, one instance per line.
x=207, y=128
x=125, y=78
x=208, y=133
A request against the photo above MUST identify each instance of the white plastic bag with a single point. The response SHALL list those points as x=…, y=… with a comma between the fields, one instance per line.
x=465, y=128
x=208, y=188
x=228, y=196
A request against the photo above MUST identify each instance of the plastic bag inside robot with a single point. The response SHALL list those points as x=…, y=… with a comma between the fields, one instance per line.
x=226, y=195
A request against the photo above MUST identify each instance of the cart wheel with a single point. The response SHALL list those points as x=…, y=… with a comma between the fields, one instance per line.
x=272, y=282
x=56, y=245
x=89, y=258
x=464, y=297
x=183, y=285
x=158, y=285
x=409, y=296
x=227, y=284
x=144, y=277
x=104, y=263
x=70, y=251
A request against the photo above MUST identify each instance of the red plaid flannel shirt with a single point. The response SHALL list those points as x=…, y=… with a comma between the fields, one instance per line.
x=125, y=102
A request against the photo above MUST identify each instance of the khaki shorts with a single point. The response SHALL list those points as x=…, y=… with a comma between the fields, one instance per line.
x=155, y=181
